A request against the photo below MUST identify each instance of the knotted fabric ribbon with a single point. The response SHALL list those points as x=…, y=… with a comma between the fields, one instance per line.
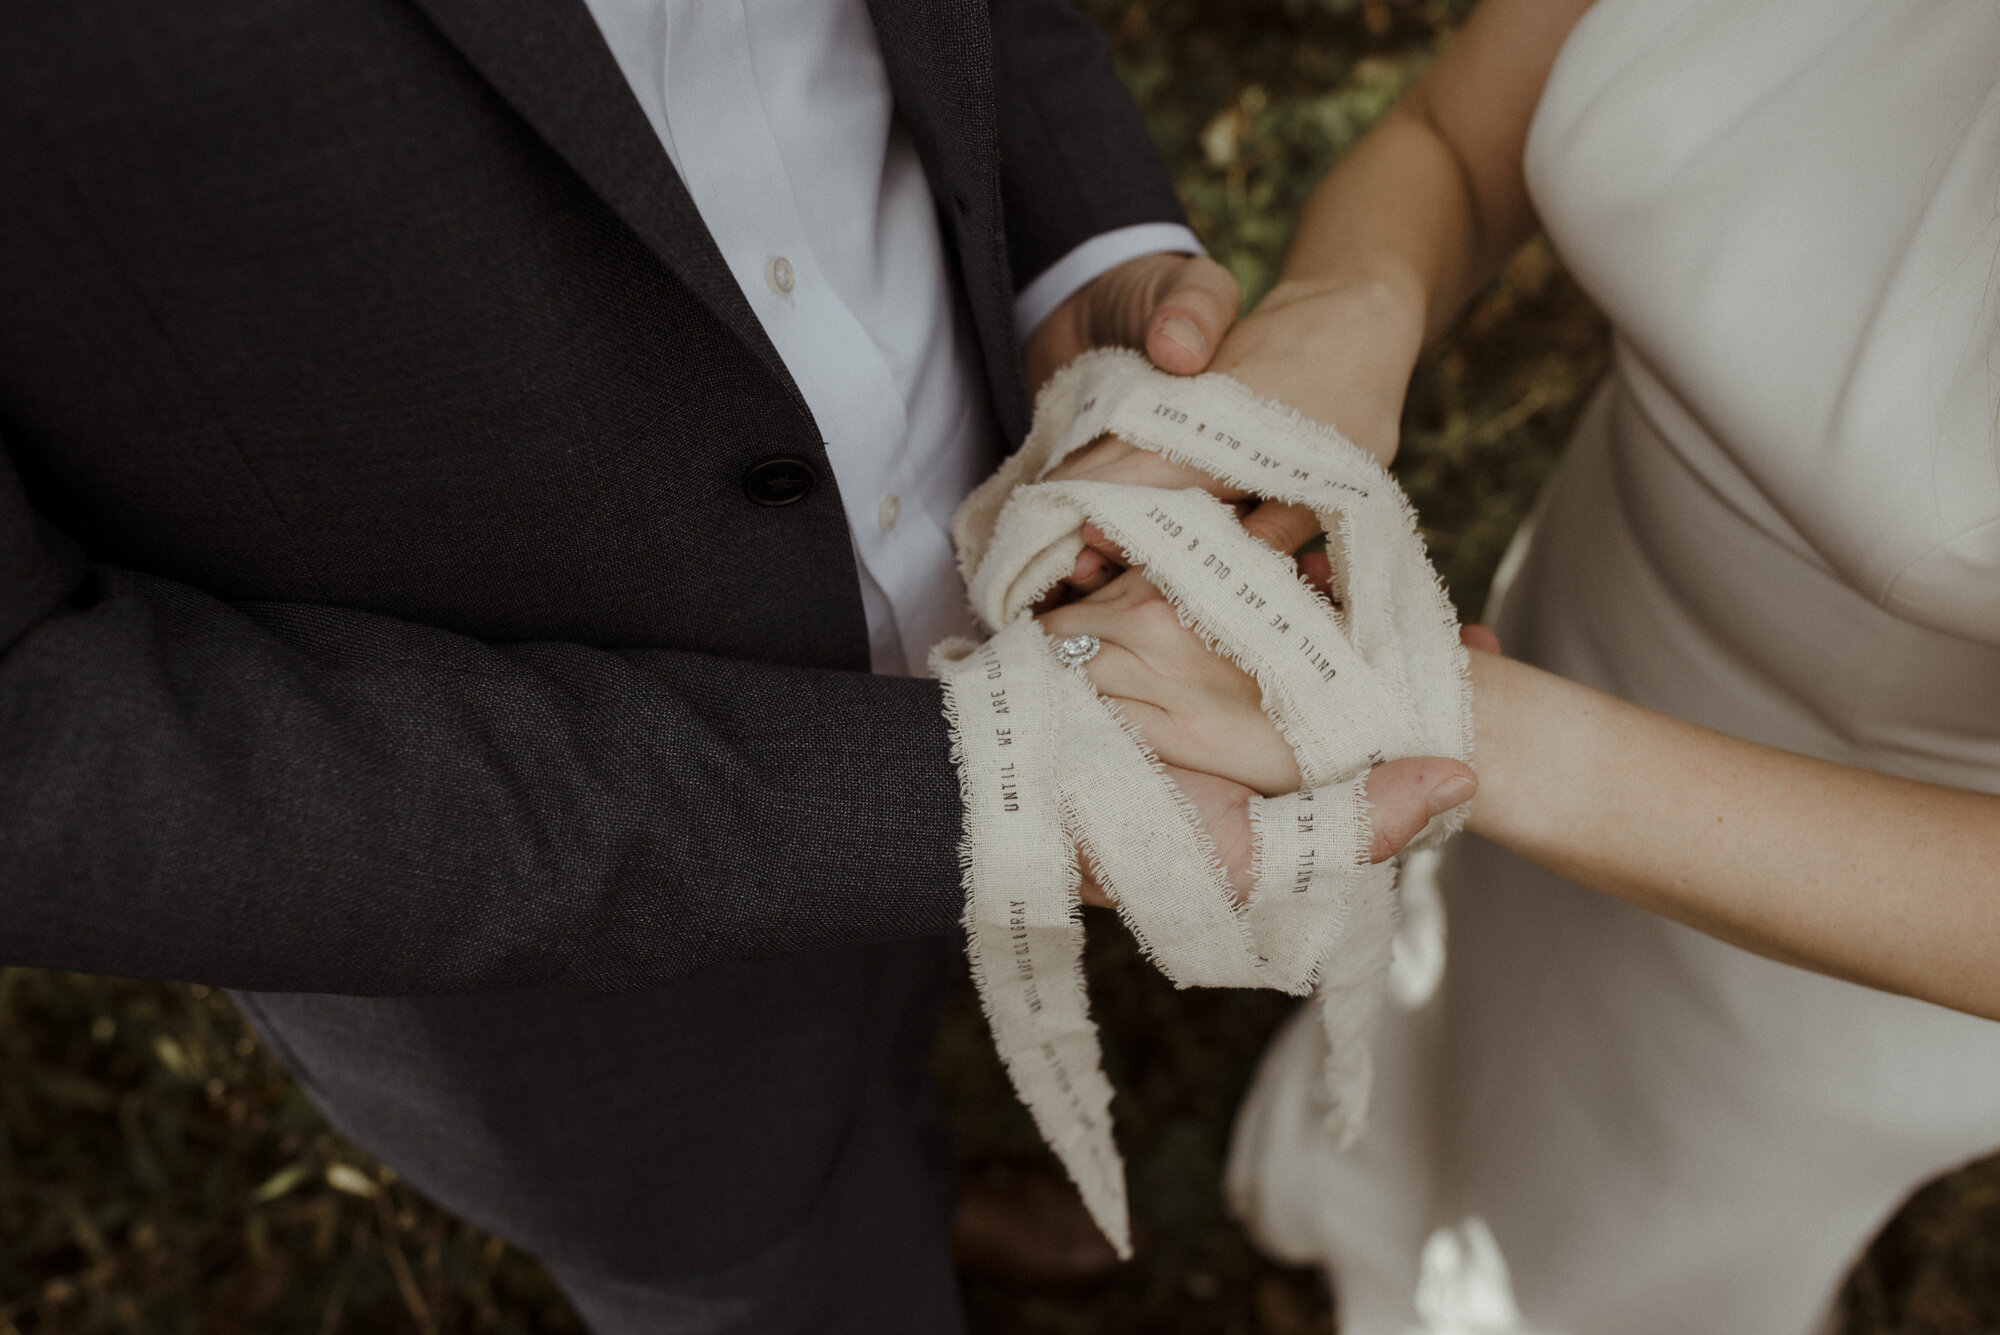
x=1047, y=767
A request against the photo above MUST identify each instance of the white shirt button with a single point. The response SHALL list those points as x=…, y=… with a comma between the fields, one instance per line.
x=891, y=509
x=778, y=273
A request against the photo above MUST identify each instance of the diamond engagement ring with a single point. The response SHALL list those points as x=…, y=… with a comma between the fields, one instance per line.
x=1077, y=650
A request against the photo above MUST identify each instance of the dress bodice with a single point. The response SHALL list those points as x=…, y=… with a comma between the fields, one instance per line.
x=1790, y=210
x=1780, y=519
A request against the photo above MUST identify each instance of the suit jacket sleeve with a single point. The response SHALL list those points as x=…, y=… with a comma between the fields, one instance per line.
x=1076, y=159
x=304, y=798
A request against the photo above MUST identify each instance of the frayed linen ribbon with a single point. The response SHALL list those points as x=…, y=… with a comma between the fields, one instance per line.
x=1047, y=767
x=1463, y=1287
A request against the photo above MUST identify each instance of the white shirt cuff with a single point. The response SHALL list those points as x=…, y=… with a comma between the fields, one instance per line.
x=1106, y=250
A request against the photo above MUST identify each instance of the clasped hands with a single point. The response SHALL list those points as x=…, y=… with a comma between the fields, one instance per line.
x=1201, y=714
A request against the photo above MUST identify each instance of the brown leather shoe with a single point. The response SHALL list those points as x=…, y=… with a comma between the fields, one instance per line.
x=1024, y=1224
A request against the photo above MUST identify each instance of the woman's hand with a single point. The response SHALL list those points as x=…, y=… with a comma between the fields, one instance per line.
x=1195, y=709
x=1388, y=249
x=1340, y=355
x=1338, y=351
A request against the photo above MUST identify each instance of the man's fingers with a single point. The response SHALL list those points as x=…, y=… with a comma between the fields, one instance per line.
x=1176, y=307
x=1092, y=571
x=1316, y=568
x=1282, y=528
x=1090, y=891
x=1479, y=637
x=1194, y=307
x=1100, y=562
x=1223, y=809
x=1286, y=528
x=1096, y=540
x=1404, y=794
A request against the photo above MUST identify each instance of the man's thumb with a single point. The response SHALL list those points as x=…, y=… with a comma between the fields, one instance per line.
x=1191, y=316
x=1404, y=794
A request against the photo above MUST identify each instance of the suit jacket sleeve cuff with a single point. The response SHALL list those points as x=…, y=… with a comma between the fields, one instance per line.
x=1102, y=252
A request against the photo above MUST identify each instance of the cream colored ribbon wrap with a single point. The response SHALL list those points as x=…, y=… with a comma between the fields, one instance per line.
x=1047, y=767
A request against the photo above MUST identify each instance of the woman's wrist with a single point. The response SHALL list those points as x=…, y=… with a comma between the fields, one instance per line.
x=1340, y=352
x=1530, y=739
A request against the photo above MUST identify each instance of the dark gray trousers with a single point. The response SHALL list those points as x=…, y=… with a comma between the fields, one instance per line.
x=756, y=1148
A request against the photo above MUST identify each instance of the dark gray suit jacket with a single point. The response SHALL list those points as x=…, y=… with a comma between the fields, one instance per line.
x=381, y=607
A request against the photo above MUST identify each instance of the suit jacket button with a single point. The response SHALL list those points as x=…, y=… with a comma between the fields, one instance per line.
x=780, y=481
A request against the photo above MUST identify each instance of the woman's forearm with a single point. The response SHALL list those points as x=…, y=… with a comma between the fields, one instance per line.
x=1399, y=218
x=1397, y=237
x=1880, y=880
x=1339, y=334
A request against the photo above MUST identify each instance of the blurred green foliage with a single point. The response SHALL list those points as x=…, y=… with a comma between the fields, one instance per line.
x=1251, y=102
x=159, y=1173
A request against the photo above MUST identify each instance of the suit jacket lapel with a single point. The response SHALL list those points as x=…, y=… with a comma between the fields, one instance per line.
x=548, y=60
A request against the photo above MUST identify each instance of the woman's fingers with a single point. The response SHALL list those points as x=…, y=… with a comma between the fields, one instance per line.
x=1193, y=707
x=1217, y=727
x=1130, y=613
x=1287, y=528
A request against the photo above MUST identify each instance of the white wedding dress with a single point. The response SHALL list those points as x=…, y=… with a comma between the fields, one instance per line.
x=1781, y=518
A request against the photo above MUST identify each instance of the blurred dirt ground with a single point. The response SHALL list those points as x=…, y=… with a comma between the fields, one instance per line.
x=158, y=1172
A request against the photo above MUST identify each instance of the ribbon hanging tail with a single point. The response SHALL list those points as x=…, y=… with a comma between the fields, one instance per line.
x=1024, y=929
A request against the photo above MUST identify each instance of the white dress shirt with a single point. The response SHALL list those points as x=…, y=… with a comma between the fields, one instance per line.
x=779, y=118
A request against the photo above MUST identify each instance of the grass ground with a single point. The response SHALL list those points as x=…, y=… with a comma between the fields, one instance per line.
x=158, y=1172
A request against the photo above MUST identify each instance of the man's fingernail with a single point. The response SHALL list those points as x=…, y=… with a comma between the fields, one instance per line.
x=1451, y=792
x=1178, y=329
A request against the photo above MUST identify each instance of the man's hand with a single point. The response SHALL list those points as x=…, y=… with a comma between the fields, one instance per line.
x=1174, y=308
x=1403, y=795
x=1222, y=809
